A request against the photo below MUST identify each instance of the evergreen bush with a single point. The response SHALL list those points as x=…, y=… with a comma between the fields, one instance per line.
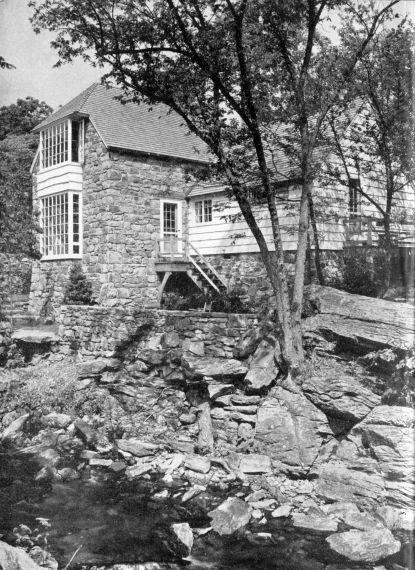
x=79, y=289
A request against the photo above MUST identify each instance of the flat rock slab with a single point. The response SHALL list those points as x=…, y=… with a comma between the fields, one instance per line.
x=216, y=368
x=97, y=367
x=230, y=515
x=313, y=523
x=364, y=546
x=345, y=397
x=255, y=463
x=34, y=336
x=137, y=447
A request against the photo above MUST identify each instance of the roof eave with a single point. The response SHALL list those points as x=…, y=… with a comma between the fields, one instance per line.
x=74, y=115
x=158, y=154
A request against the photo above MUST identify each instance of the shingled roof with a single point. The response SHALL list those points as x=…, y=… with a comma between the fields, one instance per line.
x=132, y=126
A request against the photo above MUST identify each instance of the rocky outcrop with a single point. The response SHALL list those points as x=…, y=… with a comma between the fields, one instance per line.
x=15, y=559
x=343, y=397
x=14, y=430
x=290, y=429
x=364, y=546
x=388, y=432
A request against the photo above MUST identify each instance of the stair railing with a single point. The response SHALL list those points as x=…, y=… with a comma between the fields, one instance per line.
x=200, y=270
x=208, y=264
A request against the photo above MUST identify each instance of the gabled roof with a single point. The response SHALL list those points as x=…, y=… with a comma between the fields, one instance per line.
x=131, y=126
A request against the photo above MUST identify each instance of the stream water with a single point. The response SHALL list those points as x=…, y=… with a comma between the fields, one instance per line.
x=120, y=521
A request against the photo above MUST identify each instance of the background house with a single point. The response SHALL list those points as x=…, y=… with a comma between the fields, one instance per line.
x=112, y=184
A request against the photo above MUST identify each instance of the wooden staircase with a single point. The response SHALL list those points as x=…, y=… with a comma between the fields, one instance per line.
x=180, y=256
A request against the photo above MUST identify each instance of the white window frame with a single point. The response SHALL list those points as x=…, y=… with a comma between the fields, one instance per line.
x=203, y=215
x=70, y=253
x=47, y=138
x=355, y=198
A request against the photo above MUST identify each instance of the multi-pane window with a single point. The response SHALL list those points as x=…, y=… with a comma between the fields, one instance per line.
x=55, y=145
x=61, y=223
x=61, y=143
x=354, y=196
x=203, y=211
x=170, y=219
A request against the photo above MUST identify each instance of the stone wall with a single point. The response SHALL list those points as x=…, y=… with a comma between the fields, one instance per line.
x=100, y=331
x=49, y=280
x=121, y=213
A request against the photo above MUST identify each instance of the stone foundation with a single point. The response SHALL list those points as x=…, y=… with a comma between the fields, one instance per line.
x=102, y=331
x=49, y=280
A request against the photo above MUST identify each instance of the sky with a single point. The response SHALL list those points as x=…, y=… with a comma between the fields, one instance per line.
x=34, y=59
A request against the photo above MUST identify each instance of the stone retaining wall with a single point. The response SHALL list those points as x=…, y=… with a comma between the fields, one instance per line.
x=100, y=331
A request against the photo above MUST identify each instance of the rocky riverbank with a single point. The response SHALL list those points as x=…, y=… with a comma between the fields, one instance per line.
x=317, y=471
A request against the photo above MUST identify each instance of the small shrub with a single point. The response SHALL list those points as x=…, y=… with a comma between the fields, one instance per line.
x=231, y=302
x=363, y=272
x=79, y=289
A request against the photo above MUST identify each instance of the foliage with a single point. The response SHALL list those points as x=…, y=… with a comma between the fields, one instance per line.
x=379, y=149
x=231, y=85
x=230, y=302
x=18, y=224
x=79, y=289
x=362, y=271
x=4, y=64
x=21, y=117
x=401, y=384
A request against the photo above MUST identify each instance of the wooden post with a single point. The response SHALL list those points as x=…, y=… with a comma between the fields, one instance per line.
x=163, y=284
x=157, y=249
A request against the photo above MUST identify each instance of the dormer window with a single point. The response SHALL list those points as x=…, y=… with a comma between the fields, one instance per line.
x=62, y=142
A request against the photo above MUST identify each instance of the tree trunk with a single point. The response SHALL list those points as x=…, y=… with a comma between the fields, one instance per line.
x=317, y=258
x=300, y=261
x=277, y=274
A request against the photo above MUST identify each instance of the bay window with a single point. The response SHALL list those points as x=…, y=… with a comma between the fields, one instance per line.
x=61, y=224
x=62, y=143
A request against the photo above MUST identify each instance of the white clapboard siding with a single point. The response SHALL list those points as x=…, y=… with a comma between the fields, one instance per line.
x=221, y=236
x=59, y=178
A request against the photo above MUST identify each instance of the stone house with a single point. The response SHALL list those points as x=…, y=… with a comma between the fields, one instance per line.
x=112, y=188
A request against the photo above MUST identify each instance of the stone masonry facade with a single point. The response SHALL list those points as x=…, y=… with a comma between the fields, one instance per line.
x=121, y=217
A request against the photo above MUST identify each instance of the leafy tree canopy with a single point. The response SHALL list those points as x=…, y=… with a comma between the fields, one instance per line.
x=21, y=117
x=18, y=225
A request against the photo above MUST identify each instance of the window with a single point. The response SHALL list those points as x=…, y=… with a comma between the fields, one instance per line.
x=203, y=211
x=61, y=143
x=354, y=196
x=61, y=223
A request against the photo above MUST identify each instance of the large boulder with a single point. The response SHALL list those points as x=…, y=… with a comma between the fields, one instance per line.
x=219, y=369
x=290, y=429
x=344, y=397
x=364, y=546
x=230, y=515
x=15, y=559
x=263, y=369
x=95, y=368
